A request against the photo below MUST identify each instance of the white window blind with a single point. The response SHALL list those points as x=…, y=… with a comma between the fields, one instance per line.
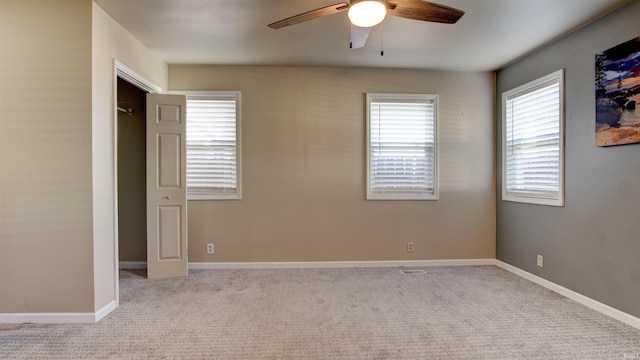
x=213, y=146
x=532, y=161
x=402, y=148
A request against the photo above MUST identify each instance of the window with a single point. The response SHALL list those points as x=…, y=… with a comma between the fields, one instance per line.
x=402, y=147
x=532, y=155
x=213, y=145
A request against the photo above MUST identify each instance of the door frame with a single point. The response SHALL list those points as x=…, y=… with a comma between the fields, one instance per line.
x=122, y=71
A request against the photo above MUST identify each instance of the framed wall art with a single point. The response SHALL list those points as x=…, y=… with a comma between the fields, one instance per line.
x=617, y=83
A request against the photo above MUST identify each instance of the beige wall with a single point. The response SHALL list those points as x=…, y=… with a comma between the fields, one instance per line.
x=56, y=183
x=303, y=168
x=45, y=156
x=111, y=41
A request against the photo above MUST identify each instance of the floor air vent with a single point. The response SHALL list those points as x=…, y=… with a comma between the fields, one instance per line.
x=412, y=271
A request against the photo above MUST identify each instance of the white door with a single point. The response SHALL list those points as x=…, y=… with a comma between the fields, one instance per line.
x=166, y=186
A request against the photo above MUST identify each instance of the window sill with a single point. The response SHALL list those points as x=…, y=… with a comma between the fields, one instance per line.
x=533, y=200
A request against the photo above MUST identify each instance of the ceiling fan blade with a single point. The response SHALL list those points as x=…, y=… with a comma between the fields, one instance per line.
x=310, y=15
x=425, y=11
x=358, y=37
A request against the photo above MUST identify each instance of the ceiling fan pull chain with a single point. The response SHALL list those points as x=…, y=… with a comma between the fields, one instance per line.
x=382, y=40
x=350, y=32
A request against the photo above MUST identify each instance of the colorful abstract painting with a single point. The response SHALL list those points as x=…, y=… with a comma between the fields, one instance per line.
x=618, y=94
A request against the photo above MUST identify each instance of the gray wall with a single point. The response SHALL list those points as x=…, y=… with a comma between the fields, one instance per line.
x=592, y=244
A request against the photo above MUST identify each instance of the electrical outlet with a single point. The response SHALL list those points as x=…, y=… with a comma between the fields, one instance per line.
x=210, y=248
x=410, y=246
x=539, y=261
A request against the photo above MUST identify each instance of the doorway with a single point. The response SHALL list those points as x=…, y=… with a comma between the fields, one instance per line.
x=125, y=77
x=131, y=178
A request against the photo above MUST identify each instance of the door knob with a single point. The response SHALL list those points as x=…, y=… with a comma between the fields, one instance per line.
x=168, y=197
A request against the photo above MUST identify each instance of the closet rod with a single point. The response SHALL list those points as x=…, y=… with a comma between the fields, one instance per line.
x=129, y=111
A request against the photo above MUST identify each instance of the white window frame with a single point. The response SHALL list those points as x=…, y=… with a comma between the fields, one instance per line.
x=522, y=196
x=388, y=195
x=220, y=195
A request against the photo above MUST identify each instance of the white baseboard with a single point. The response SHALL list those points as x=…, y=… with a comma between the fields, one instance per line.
x=57, y=318
x=132, y=265
x=105, y=311
x=338, y=264
x=47, y=318
x=577, y=297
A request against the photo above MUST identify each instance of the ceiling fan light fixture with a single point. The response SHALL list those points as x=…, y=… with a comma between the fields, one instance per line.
x=367, y=13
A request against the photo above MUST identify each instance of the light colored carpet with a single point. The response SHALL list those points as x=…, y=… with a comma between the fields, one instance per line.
x=478, y=312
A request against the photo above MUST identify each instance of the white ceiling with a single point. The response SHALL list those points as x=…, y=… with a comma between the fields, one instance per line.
x=490, y=35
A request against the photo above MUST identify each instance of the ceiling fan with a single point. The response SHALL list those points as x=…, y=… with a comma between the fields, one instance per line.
x=363, y=14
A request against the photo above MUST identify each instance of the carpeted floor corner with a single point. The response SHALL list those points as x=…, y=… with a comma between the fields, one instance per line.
x=474, y=312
